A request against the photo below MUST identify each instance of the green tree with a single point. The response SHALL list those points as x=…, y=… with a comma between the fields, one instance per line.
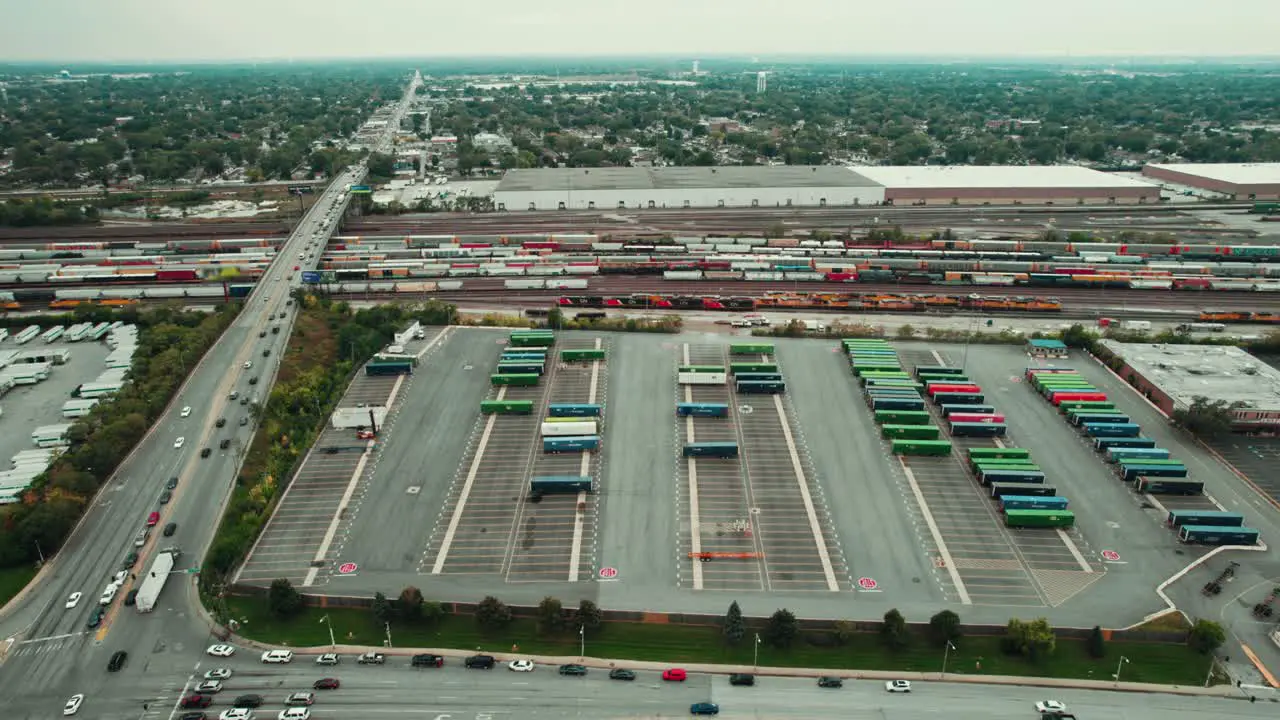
x=1206, y=636
x=734, y=626
x=1077, y=336
x=410, y=603
x=944, y=627
x=1096, y=644
x=382, y=610
x=588, y=616
x=550, y=615
x=893, y=631
x=432, y=612
x=1206, y=418
x=283, y=601
x=781, y=629
x=492, y=614
x=1033, y=640
x=906, y=332
x=844, y=632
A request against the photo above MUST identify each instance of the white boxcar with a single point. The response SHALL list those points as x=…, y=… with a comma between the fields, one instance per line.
x=566, y=284
x=702, y=378
x=524, y=284
x=568, y=429
x=682, y=275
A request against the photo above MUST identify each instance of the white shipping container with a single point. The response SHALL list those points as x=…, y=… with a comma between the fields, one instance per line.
x=702, y=378
x=524, y=284
x=446, y=285
x=682, y=275
x=566, y=284
x=582, y=270
x=568, y=429
x=751, y=275
x=1150, y=284
x=1135, y=324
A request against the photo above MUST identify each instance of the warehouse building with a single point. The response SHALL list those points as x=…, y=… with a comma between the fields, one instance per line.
x=685, y=187
x=1173, y=376
x=1007, y=185
x=1238, y=181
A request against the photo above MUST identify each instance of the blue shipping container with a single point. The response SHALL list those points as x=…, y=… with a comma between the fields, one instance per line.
x=1116, y=454
x=1108, y=430
x=570, y=444
x=1027, y=502
x=712, y=449
x=1209, y=535
x=572, y=410
x=1023, y=477
x=702, y=410
x=1104, y=443
x=1130, y=472
x=1212, y=518
x=895, y=403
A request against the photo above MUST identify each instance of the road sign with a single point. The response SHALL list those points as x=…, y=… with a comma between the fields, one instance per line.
x=608, y=573
x=866, y=583
x=1110, y=555
x=347, y=568
x=310, y=276
x=301, y=189
x=361, y=190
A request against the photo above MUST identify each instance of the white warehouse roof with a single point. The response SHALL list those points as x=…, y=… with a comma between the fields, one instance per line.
x=1234, y=173
x=995, y=176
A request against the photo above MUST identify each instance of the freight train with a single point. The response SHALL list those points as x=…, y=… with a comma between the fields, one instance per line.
x=866, y=302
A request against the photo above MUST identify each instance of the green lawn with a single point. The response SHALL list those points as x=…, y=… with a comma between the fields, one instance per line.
x=12, y=580
x=1167, y=664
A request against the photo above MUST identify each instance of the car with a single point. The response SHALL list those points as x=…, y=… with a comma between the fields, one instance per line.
x=195, y=701
x=520, y=666
x=120, y=577
x=130, y=560
x=226, y=443
x=95, y=617
x=277, y=656
x=131, y=597
x=371, y=658
x=294, y=713
x=244, y=400
x=827, y=681
x=704, y=708
x=152, y=518
x=247, y=701
x=186, y=411
x=197, y=715
x=221, y=422
x=364, y=435
x=244, y=421
x=573, y=669
x=108, y=594
x=266, y=353
x=73, y=600
x=208, y=687
x=218, y=674
x=73, y=705
x=236, y=714
x=742, y=679
x=221, y=650
x=326, y=684
x=206, y=452
x=622, y=674
x=898, y=686
x=248, y=364
x=172, y=483
x=179, y=442
x=674, y=675
x=253, y=380
x=165, y=497
x=300, y=698
x=427, y=660
x=117, y=661
x=234, y=394
x=141, y=538
x=481, y=662
x=1051, y=707
x=170, y=529
x=262, y=333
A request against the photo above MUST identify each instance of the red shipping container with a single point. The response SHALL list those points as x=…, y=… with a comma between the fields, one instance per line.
x=975, y=418
x=1059, y=397
x=842, y=277
x=175, y=275
x=935, y=389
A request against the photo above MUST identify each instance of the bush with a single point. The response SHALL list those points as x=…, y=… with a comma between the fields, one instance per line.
x=410, y=604
x=844, y=632
x=944, y=627
x=1206, y=636
x=493, y=614
x=283, y=601
x=1033, y=640
x=1096, y=645
x=781, y=629
x=893, y=631
x=734, y=627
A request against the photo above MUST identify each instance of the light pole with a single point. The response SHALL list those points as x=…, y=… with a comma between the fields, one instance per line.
x=332, y=642
x=755, y=660
x=946, y=654
x=582, y=641
x=1123, y=661
x=39, y=552
x=388, y=629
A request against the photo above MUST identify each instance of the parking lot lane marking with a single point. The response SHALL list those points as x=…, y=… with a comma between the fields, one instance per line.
x=338, y=514
x=810, y=512
x=938, y=358
x=950, y=565
x=1075, y=551
x=456, y=519
x=579, y=514
x=434, y=341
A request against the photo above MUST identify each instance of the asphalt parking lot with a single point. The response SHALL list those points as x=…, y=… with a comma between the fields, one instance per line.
x=1255, y=457
x=26, y=407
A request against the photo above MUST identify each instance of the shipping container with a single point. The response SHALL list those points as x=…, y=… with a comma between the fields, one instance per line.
x=559, y=484
x=892, y=383
x=1112, y=430
x=949, y=410
x=1099, y=405
x=896, y=403
x=959, y=398
x=877, y=392
x=938, y=370
x=1039, y=518
x=1058, y=397
x=1000, y=489
x=569, y=444
x=903, y=417
x=760, y=387
x=921, y=447
x=564, y=410
x=1215, y=518
x=702, y=410
x=523, y=379
x=747, y=367
x=532, y=340
x=581, y=355
x=1129, y=473
x=1127, y=454
x=388, y=368
x=975, y=417
x=751, y=349
x=1208, y=535
x=1081, y=417
x=866, y=377
x=711, y=449
x=1031, y=502
x=573, y=428
x=1106, y=443
x=1008, y=475
x=529, y=351
x=712, y=369
x=978, y=429
x=1004, y=453
x=701, y=378
x=506, y=407
x=1167, y=486
x=911, y=432
x=953, y=379
x=519, y=367
x=758, y=377
x=877, y=368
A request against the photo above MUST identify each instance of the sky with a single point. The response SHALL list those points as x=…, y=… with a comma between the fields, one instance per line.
x=66, y=31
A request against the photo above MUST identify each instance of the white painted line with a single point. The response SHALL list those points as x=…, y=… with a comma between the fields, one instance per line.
x=937, y=357
x=695, y=511
x=579, y=515
x=337, y=516
x=820, y=542
x=937, y=536
x=432, y=344
x=466, y=490
x=1075, y=551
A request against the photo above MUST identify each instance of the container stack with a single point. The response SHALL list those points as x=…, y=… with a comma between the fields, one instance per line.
x=759, y=377
x=961, y=402
x=1018, y=485
x=524, y=360
x=894, y=398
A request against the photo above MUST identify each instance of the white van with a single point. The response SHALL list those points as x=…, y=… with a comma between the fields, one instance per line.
x=277, y=656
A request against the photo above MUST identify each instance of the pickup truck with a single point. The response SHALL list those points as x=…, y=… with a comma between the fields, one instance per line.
x=372, y=658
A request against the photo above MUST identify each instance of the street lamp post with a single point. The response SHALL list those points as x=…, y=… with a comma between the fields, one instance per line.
x=755, y=660
x=1123, y=661
x=333, y=643
x=946, y=654
x=388, y=629
x=582, y=641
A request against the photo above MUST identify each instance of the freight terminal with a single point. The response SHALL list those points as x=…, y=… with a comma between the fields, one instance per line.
x=1236, y=181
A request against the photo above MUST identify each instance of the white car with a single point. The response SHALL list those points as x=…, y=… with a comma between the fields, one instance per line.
x=74, y=599
x=221, y=650
x=208, y=687
x=179, y=442
x=73, y=705
x=248, y=364
x=236, y=714
x=277, y=656
x=120, y=577
x=294, y=713
x=520, y=666
x=903, y=686
x=109, y=594
x=186, y=411
x=218, y=674
x=1050, y=707
x=327, y=659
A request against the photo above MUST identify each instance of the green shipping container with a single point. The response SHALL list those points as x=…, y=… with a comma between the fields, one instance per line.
x=903, y=417
x=580, y=355
x=506, y=407
x=911, y=432
x=701, y=369
x=1005, y=452
x=921, y=447
x=514, y=379
x=1039, y=518
x=736, y=368
x=751, y=349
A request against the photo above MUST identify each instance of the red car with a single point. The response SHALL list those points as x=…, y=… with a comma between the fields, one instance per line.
x=674, y=675
x=364, y=435
x=196, y=701
x=327, y=684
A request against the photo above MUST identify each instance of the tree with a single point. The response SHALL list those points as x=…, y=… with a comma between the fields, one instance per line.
x=1206, y=636
x=1033, y=640
x=550, y=615
x=944, y=627
x=410, y=603
x=432, y=612
x=734, y=627
x=493, y=614
x=906, y=332
x=1096, y=645
x=781, y=629
x=1206, y=418
x=382, y=609
x=588, y=616
x=775, y=230
x=893, y=631
x=283, y=600
x=1077, y=336
x=844, y=632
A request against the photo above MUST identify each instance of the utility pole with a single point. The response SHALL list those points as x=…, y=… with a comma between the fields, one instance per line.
x=333, y=643
x=946, y=653
x=755, y=660
x=1123, y=661
x=582, y=641
x=388, y=629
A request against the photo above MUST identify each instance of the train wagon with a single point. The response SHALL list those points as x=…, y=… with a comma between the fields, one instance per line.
x=1031, y=502
x=1216, y=518
x=921, y=447
x=557, y=410
x=559, y=484
x=1000, y=489
x=911, y=432
x=1212, y=535
x=1039, y=518
x=1009, y=475
x=702, y=410
x=978, y=429
x=570, y=444
x=711, y=449
x=1167, y=486
x=1106, y=443
x=1116, y=454
x=506, y=407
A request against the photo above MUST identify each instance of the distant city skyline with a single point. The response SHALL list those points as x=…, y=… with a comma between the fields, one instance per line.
x=155, y=31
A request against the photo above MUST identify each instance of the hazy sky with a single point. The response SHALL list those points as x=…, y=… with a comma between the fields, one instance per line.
x=65, y=31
